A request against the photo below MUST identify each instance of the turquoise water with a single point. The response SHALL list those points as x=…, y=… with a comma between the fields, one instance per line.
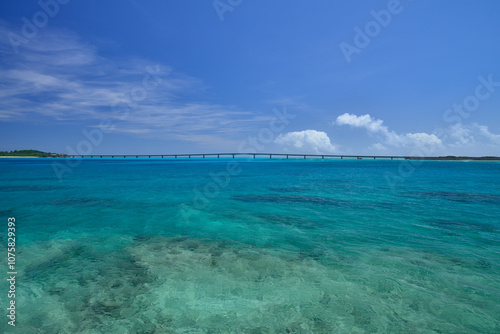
x=297, y=246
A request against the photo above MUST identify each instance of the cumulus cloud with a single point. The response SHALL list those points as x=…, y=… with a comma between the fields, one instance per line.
x=422, y=138
x=491, y=136
x=470, y=136
x=376, y=126
x=456, y=139
x=460, y=135
x=307, y=141
x=364, y=121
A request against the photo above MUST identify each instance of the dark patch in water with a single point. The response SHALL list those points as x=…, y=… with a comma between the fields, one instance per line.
x=459, y=197
x=288, y=220
x=461, y=225
x=82, y=201
x=218, y=250
x=42, y=178
x=317, y=184
x=316, y=200
x=482, y=264
x=6, y=213
x=335, y=184
x=56, y=291
x=289, y=189
x=290, y=199
x=191, y=244
x=56, y=262
x=142, y=237
x=315, y=254
x=34, y=187
x=325, y=299
x=97, y=289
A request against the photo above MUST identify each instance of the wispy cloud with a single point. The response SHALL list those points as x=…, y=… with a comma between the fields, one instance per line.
x=58, y=76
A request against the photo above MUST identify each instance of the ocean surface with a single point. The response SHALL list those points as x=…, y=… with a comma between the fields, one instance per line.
x=262, y=246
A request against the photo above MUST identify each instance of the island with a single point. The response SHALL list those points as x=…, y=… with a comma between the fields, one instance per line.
x=31, y=154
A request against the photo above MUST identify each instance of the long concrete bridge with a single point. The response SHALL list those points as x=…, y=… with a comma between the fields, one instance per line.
x=239, y=155
x=277, y=155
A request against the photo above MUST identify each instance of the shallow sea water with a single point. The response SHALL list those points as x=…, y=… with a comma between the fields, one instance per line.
x=157, y=246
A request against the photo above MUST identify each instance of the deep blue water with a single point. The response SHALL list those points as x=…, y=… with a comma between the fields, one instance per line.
x=264, y=246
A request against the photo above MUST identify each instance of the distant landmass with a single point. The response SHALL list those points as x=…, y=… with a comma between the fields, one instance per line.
x=30, y=153
x=452, y=157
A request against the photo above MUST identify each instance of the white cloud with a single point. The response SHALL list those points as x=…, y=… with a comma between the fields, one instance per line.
x=461, y=136
x=375, y=126
x=422, y=138
x=307, y=141
x=457, y=139
x=364, y=121
x=491, y=136
x=378, y=147
x=471, y=136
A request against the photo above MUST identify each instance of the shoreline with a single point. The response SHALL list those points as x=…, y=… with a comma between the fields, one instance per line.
x=11, y=156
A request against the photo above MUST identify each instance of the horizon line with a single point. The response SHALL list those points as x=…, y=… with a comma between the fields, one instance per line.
x=286, y=155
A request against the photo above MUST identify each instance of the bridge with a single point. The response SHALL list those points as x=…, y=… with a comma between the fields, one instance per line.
x=278, y=156
x=239, y=155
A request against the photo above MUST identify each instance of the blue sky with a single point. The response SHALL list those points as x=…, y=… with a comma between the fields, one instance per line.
x=365, y=77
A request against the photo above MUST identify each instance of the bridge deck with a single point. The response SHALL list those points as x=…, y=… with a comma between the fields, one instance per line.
x=239, y=155
x=278, y=155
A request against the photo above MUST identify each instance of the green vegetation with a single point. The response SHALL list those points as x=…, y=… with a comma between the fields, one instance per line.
x=30, y=153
